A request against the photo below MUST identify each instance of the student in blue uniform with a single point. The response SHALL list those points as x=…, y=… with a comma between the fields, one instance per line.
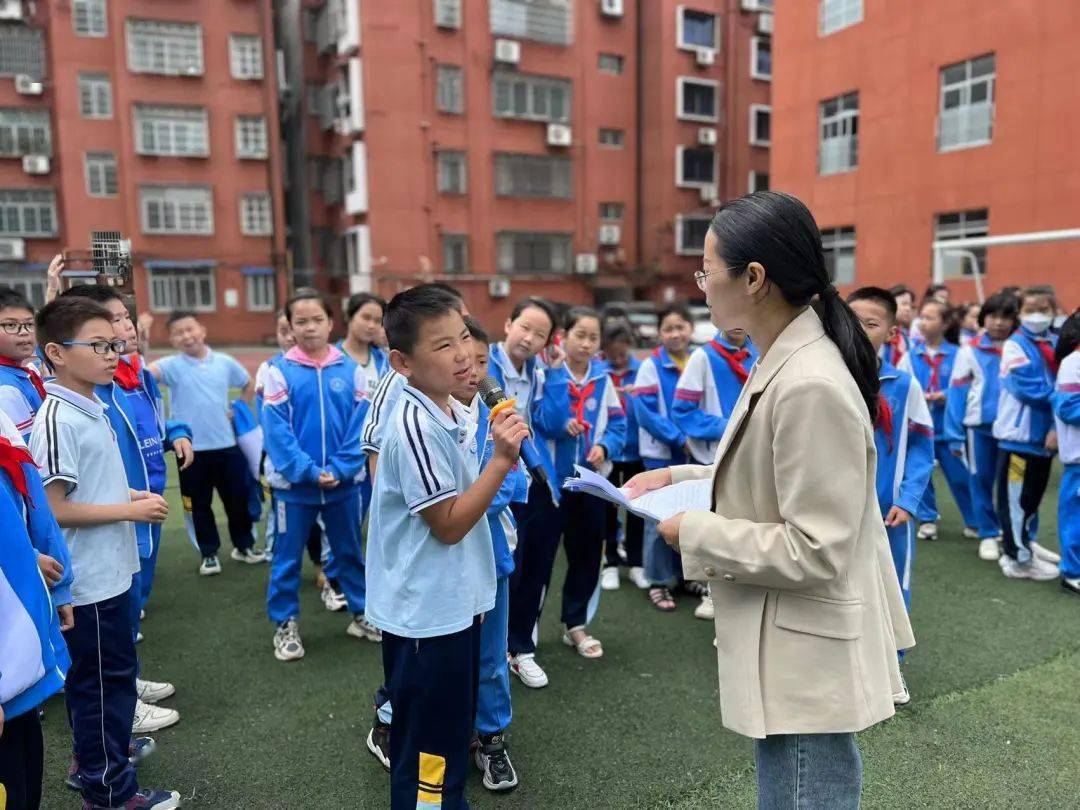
x=970, y=410
x=1066, y=403
x=1024, y=428
x=21, y=388
x=931, y=361
x=363, y=320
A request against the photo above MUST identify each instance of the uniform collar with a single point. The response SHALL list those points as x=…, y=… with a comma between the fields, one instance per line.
x=507, y=366
x=94, y=408
x=198, y=361
x=298, y=356
x=887, y=371
x=433, y=410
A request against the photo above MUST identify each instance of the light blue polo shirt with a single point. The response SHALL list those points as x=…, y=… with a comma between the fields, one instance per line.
x=418, y=586
x=383, y=404
x=199, y=395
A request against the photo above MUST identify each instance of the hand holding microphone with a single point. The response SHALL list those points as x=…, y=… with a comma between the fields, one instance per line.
x=495, y=398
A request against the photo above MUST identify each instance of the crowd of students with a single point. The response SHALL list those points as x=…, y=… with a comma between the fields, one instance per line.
x=387, y=429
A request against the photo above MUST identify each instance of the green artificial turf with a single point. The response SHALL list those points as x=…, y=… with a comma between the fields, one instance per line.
x=995, y=679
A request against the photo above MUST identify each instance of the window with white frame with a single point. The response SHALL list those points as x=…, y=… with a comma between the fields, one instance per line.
x=761, y=58
x=690, y=231
x=759, y=181
x=22, y=51
x=89, y=18
x=838, y=245
x=838, y=134
x=256, y=215
x=611, y=64
x=177, y=210
x=963, y=225
x=182, y=288
x=695, y=166
x=455, y=253
x=452, y=172
x=101, y=180
x=448, y=13
x=611, y=211
x=533, y=252
x=834, y=15
x=24, y=132
x=175, y=131
x=95, y=95
x=167, y=48
x=548, y=21
x=261, y=295
x=251, y=141
x=760, y=124
x=449, y=89
x=30, y=285
x=532, y=176
x=612, y=138
x=245, y=56
x=534, y=98
x=698, y=99
x=966, y=116
x=29, y=213
x=696, y=30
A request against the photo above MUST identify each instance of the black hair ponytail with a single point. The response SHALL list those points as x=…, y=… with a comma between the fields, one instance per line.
x=1069, y=339
x=779, y=232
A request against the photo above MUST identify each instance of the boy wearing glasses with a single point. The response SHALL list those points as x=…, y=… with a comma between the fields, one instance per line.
x=21, y=388
x=86, y=487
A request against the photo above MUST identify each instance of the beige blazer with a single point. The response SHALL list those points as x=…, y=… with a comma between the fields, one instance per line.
x=809, y=614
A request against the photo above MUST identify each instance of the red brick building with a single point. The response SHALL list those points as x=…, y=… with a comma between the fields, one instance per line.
x=902, y=123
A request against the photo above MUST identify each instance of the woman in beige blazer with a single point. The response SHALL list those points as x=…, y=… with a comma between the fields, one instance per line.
x=809, y=615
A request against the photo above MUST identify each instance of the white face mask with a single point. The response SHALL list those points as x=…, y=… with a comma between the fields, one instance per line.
x=1036, y=323
x=1059, y=321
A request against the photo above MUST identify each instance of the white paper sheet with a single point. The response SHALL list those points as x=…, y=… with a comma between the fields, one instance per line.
x=660, y=504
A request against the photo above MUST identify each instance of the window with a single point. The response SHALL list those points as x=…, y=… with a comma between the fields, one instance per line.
x=30, y=285
x=697, y=99
x=452, y=172
x=695, y=167
x=176, y=131
x=838, y=134
x=101, y=174
x=613, y=138
x=256, y=217
x=759, y=181
x=530, y=252
x=761, y=58
x=251, y=136
x=967, y=104
x=455, y=253
x=260, y=292
x=836, y=14
x=95, y=95
x=21, y=51
x=312, y=93
x=448, y=13
x=532, y=176
x=696, y=29
x=536, y=98
x=960, y=225
x=690, y=233
x=27, y=212
x=24, y=132
x=168, y=48
x=540, y=20
x=611, y=63
x=611, y=211
x=89, y=18
x=245, y=57
x=177, y=210
x=839, y=247
x=187, y=288
x=449, y=89
x=760, y=124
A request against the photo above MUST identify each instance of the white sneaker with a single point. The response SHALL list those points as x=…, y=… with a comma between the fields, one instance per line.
x=989, y=548
x=287, y=643
x=210, y=566
x=142, y=615
x=360, y=627
x=928, y=531
x=528, y=671
x=637, y=576
x=153, y=691
x=970, y=533
x=1043, y=553
x=139, y=637
x=251, y=556
x=706, y=609
x=332, y=600
x=609, y=578
x=152, y=718
x=1036, y=569
x=903, y=697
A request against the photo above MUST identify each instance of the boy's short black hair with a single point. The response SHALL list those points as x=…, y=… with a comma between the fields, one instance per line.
x=878, y=295
x=617, y=332
x=62, y=319
x=357, y=301
x=446, y=288
x=895, y=291
x=542, y=304
x=408, y=310
x=476, y=330
x=14, y=299
x=179, y=315
x=1003, y=303
x=681, y=310
x=308, y=295
x=94, y=292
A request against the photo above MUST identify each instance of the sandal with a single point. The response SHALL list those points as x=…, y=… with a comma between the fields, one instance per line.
x=588, y=647
x=662, y=599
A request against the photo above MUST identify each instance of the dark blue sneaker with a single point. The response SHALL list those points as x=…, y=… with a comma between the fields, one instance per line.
x=145, y=799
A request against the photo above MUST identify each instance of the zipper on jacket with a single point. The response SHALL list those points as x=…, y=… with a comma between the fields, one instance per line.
x=322, y=424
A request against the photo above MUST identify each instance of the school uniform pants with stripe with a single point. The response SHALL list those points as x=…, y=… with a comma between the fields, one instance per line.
x=433, y=686
x=583, y=521
x=22, y=762
x=982, y=454
x=226, y=471
x=902, y=546
x=1069, y=521
x=539, y=529
x=621, y=472
x=959, y=481
x=100, y=695
x=1021, y=484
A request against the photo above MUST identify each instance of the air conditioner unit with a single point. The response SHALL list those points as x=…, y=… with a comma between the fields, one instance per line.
x=611, y=8
x=35, y=164
x=28, y=85
x=708, y=194
x=706, y=57
x=765, y=23
x=507, y=51
x=585, y=264
x=11, y=10
x=610, y=234
x=14, y=249
x=448, y=13
x=751, y=5
x=559, y=135
x=499, y=288
x=706, y=136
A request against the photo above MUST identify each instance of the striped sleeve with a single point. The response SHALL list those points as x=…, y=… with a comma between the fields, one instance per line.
x=382, y=406
x=691, y=385
x=426, y=468
x=15, y=405
x=918, y=412
x=275, y=390
x=54, y=446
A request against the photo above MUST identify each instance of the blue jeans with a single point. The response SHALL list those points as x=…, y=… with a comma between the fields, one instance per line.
x=808, y=772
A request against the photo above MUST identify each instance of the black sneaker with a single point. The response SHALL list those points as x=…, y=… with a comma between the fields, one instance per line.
x=378, y=742
x=494, y=762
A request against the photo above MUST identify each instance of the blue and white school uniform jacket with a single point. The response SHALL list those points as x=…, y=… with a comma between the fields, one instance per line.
x=311, y=423
x=933, y=368
x=1066, y=404
x=19, y=398
x=707, y=392
x=659, y=438
x=975, y=388
x=260, y=383
x=1024, y=414
x=623, y=379
x=904, y=435
x=594, y=402
x=377, y=365
x=383, y=402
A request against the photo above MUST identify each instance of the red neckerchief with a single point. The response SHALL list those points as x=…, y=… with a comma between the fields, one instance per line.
x=35, y=378
x=884, y=421
x=733, y=359
x=579, y=395
x=935, y=361
x=1046, y=349
x=897, y=344
x=620, y=378
x=127, y=373
x=12, y=457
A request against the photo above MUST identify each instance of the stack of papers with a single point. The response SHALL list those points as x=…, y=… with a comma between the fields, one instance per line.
x=660, y=504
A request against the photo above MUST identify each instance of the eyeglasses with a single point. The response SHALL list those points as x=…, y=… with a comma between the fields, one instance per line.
x=701, y=275
x=99, y=346
x=17, y=327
